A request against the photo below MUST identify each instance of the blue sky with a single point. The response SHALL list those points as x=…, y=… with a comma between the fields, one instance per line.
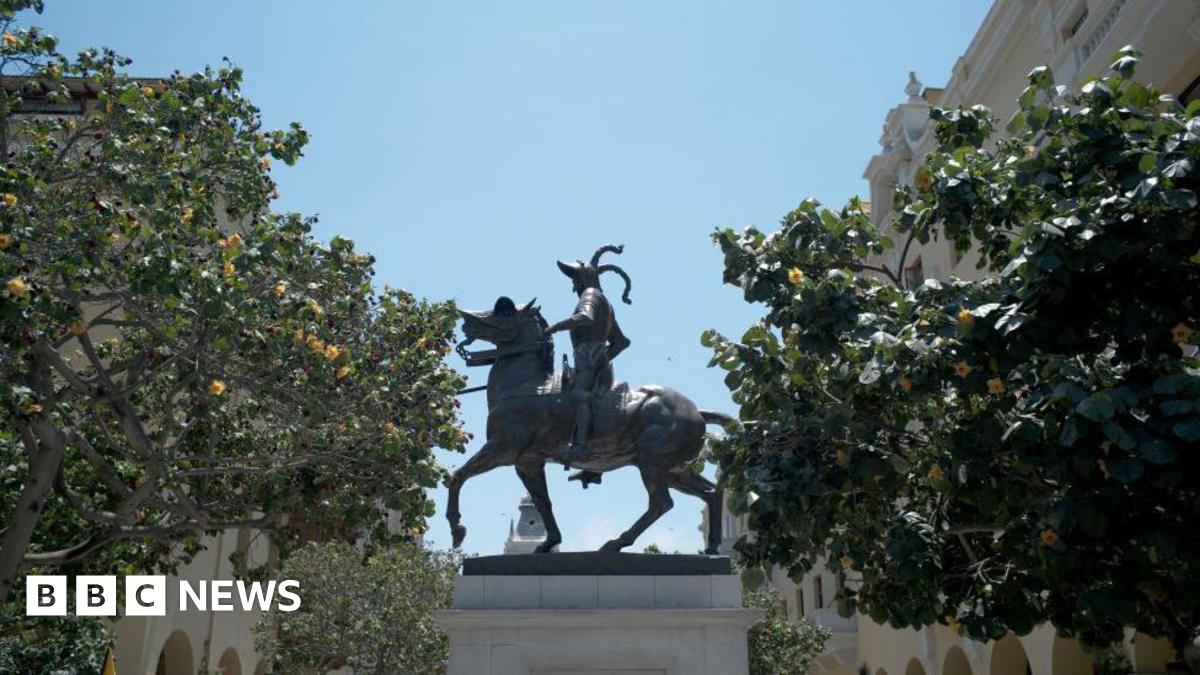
x=467, y=145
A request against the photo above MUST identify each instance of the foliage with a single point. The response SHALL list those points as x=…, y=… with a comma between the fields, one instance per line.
x=989, y=454
x=776, y=645
x=372, y=614
x=66, y=645
x=176, y=359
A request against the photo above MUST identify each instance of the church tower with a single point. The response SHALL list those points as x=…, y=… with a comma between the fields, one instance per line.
x=528, y=532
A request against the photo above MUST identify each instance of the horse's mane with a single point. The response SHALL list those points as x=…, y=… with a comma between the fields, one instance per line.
x=548, y=352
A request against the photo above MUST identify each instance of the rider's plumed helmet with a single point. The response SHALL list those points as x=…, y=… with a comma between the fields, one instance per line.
x=587, y=274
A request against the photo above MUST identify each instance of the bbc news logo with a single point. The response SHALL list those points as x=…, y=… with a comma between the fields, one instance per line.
x=146, y=595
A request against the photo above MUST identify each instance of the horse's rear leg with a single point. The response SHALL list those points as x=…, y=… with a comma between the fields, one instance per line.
x=655, y=481
x=698, y=486
x=533, y=475
x=490, y=456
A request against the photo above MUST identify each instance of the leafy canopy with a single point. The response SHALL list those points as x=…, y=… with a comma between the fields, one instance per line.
x=989, y=454
x=175, y=358
x=372, y=613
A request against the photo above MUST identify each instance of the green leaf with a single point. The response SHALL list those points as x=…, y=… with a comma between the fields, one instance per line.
x=1097, y=407
x=1189, y=430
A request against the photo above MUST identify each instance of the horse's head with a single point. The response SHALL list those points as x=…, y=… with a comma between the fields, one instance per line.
x=505, y=325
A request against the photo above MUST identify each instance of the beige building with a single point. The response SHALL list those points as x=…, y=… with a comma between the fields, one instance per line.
x=1076, y=38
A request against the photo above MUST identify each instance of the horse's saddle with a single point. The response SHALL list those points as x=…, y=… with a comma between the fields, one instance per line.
x=618, y=396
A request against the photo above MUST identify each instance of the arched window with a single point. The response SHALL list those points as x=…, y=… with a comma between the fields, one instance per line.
x=230, y=663
x=1009, y=658
x=176, y=656
x=956, y=662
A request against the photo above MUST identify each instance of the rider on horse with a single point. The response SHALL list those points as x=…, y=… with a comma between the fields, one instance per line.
x=596, y=339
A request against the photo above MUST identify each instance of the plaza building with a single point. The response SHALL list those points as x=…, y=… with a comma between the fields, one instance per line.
x=1077, y=39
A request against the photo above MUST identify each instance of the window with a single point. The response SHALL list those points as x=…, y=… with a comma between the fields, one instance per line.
x=1074, y=27
x=799, y=603
x=914, y=274
x=818, y=593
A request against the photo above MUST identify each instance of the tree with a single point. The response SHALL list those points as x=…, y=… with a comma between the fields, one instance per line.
x=370, y=613
x=176, y=359
x=776, y=645
x=989, y=455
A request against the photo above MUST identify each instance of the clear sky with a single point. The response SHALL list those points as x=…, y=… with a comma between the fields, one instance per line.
x=467, y=145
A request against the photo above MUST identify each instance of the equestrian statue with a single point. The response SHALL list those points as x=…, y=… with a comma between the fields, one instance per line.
x=580, y=417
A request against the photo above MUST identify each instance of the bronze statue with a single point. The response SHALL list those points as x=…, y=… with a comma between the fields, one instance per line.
x=533, y=414
x=596, y=340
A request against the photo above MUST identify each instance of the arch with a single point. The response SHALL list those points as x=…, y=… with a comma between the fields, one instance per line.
x=955, y=662
x=881, y=671
x=1009, y=658
x=914, y=667
x=229, y=663
x=175, y=658
x=1151, y=655
x=1068, y=658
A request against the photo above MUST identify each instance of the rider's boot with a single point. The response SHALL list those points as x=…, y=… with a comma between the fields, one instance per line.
x=579, y=435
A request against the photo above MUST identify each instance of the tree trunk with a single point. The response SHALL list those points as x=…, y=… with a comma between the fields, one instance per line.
x=44, y=461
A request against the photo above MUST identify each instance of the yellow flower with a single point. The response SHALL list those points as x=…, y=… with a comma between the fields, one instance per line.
x=228, y=268
x=10, y=199
x=187, y=215
x=936, y=473
x=280, y=289
x=148, y=91
x=314, y=307
x=112, y=239
x=995, y=386
x=233, y=241
x=316, y=344
x=846, y=561
x=9, y=39
x=78, y=327
x=1181, y=333
x=17, y=286
x=264, y=163
x=389, y=427
x=962, y=369
x=1049, y=537
x=924, y=181
x=342, y=372
x=298, y=337
x=216, y=387
x=966, y=318
x=1030, y=151
x=6, y=240
x=906, y=384
x=332, y=352
x=422, y=344
x=795, y=275
x=279, y=147
x=33, y=408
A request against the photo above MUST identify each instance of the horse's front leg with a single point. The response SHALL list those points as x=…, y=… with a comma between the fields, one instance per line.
x=490, y=456
x=533, y=475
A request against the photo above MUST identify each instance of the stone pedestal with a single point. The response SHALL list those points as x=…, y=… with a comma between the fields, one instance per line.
x=592, y=614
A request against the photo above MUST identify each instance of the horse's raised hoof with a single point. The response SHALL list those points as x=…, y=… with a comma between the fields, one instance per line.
x=546, y=547
x=613, y=546
x=457, y=534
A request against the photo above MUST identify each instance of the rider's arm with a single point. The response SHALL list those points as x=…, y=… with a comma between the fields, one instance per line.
x=585, y=315
x=617, y=342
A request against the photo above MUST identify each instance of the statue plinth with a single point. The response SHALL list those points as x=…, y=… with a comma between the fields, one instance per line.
x=586, y=612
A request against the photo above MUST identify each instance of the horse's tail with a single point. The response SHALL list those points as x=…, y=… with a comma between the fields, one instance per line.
x=714, y=417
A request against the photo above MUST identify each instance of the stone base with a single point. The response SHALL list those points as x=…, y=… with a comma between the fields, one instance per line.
x=542, y=617
x=595, y=642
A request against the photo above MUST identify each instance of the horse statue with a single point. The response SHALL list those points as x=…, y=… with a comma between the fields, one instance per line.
x=530, y=421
